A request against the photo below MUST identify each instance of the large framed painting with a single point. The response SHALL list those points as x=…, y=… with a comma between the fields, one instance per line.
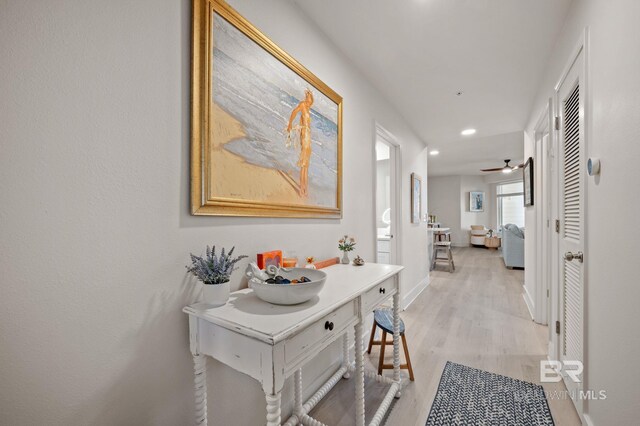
x=266, y=134
x=527, y=177
x=416, y=198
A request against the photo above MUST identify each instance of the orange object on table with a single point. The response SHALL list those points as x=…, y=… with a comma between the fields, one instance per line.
x=289, y=262
x=269, y=258
x=328, y=262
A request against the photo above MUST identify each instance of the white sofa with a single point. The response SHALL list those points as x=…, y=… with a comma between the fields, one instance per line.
x=513, y=246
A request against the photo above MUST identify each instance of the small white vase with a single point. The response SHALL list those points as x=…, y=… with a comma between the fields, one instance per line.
x=345, y=258
x=215, y=294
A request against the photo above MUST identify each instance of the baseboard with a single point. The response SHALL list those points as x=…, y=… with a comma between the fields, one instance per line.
x=415, y=292
x=529, y=302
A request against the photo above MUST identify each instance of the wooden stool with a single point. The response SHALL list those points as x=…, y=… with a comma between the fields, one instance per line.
x=444, y=246
x=383, y=318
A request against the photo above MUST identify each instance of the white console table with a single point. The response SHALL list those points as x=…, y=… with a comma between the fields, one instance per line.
x=270, y=342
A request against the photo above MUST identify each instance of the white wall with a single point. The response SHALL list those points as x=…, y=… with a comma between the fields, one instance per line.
x=444, y=201
x=449, y=201
x=613, y=107
x=467, y=217
x=94, y=217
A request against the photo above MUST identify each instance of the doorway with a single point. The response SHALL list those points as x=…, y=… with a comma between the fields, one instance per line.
x=570, y=324
x=387, y=167
x=544, y=199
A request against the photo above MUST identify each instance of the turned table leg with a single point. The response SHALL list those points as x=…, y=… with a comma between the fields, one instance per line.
x=273, y=409
x=396, y=341
x=359, y=375
x=297, y=395
x=346, y=360
x=200, y=371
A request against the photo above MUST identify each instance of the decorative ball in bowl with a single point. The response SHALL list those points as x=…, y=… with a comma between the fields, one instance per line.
x=291, y=293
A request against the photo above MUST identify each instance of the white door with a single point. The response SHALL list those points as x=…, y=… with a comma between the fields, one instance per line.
x=571, y=99
x=386, y=209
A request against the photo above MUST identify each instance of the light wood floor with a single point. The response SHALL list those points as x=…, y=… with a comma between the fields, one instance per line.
x=475, y=316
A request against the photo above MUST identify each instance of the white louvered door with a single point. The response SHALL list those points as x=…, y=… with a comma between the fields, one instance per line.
x=572, y=219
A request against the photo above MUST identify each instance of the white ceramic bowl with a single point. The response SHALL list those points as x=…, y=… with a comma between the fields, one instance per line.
x=291, y=294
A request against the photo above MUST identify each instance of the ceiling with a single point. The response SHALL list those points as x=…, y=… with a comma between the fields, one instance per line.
x=467, y=157
x=420, y=53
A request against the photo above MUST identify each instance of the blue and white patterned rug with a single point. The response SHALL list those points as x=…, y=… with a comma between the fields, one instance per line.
x=467, y=396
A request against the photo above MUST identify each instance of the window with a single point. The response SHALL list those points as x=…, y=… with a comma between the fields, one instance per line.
x=510, y=203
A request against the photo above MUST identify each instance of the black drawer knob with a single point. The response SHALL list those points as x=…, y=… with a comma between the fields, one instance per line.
x=328, y=326
x=382, y=290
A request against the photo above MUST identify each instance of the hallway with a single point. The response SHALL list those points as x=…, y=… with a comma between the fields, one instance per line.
x=475, y=316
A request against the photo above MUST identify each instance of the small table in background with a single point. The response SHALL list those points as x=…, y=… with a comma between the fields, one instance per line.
x=439, y=234
x=492, y=243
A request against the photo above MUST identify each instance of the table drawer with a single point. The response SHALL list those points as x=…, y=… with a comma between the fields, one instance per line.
x=321, y=331
x=377, y=294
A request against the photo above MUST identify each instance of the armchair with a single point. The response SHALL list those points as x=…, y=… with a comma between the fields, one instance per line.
x=478, y=232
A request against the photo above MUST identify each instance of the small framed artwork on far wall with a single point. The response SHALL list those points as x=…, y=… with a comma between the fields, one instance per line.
x=527, y=172
x=476, y=201
x=416, y=198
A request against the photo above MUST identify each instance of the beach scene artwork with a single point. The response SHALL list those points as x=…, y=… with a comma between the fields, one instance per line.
x=274, y=136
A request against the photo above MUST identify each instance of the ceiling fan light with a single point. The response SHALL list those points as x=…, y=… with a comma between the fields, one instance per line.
x=507, y=170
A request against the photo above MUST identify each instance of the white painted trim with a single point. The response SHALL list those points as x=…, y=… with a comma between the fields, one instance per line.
x=385, y=134
x=529, y=302
x=396, y=169
x=588, y=122
x=416, y=291
x=553, y=260
x=582, y=46
x=541, y=280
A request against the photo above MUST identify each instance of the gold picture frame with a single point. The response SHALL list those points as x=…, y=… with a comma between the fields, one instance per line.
x=241, y=166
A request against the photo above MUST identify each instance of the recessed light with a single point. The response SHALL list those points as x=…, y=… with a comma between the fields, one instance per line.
x=434, y=152
x=468, y=132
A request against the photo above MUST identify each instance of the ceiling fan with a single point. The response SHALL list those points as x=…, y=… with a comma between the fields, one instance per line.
x=505, y=169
